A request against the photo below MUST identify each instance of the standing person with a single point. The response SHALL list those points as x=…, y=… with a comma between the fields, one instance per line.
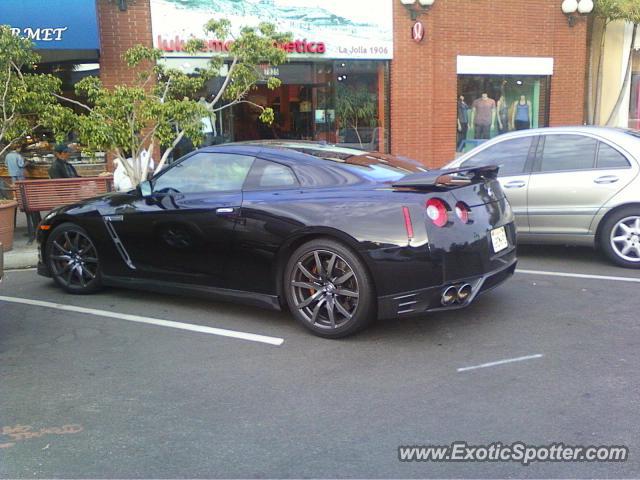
x=463, y=121
x=61, y=168
x=521, y=116
x=483, y=114
x=15, y=164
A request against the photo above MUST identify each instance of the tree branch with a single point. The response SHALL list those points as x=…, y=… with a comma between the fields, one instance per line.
x=218, y=96
x=80, y=104
x=168, y=151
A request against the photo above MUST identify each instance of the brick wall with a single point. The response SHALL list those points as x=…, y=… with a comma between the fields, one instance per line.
x=424, y=77
x=120, y=31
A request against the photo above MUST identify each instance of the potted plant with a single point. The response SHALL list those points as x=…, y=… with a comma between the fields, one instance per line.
x=7, y=217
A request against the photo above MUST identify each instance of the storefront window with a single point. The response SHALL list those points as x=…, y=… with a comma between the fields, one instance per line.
x=342, y=102
x=489, y=105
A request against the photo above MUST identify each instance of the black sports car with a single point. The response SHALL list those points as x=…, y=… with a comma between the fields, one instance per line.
x=338, y=236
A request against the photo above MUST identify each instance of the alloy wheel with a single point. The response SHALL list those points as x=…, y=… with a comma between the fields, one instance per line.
x=74, y=259
x=325, y=289
x=625, y=238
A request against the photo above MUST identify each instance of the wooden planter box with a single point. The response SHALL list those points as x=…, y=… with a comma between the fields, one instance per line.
x=7, y=217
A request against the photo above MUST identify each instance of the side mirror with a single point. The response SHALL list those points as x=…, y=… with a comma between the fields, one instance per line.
x=145, y=189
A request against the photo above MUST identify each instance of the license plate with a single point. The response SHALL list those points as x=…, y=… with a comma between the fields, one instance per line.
x=499, y=239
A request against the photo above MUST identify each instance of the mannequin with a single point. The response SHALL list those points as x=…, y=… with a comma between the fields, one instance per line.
x=503, y=115
x=463, y=121
x=483, y=116
x=521, y=116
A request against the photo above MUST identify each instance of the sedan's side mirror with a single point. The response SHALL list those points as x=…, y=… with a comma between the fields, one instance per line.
x=145, y=189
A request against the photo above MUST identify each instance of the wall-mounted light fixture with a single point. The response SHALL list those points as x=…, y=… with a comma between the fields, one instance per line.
x=122, y=4
x=415, y=8
x=576, y=9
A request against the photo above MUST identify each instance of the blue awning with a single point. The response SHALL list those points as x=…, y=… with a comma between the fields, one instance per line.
x=53, y=24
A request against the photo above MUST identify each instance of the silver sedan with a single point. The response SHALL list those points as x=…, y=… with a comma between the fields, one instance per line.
x=571, y=185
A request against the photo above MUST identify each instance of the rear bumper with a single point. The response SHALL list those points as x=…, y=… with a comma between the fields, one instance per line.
x=429, y=299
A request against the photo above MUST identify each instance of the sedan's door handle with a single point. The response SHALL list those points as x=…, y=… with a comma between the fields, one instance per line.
x=606, y=179
x=515, y=184
x=225, y=210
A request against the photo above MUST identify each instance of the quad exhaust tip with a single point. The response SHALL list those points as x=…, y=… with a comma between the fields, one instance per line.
x=464, y=292
x=449, y=296
x=454, y=294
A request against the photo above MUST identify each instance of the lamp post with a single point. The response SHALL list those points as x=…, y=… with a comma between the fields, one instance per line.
x=415, y=8
x=576, y=9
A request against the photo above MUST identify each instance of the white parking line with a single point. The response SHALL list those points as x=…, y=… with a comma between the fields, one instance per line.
x=501, y=362
x=28, y=269
x=252, y=337
x=579, y=275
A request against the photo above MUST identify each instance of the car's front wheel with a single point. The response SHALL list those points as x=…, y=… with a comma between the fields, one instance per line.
x=620, y=239
x=73, y=259
x=328, y=289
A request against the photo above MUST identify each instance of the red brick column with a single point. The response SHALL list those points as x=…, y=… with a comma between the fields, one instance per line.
x=120, y=31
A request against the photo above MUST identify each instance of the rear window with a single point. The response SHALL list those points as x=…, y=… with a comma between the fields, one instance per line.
x=372, y=165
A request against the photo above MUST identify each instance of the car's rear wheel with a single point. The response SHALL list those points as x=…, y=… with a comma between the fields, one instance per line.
x=328, y=289
x=620, y=239
x=73, y=259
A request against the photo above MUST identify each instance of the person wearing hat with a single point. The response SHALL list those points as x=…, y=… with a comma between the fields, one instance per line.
x=61, y=168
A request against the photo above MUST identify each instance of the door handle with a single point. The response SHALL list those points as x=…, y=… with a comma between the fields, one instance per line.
x=515, y=184
x=606, y=179
x=225, y=210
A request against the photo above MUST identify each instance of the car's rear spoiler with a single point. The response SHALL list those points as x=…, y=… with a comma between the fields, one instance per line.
x=448, y=177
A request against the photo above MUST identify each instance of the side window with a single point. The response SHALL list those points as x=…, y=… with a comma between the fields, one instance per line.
x=265, y=174
x=609, y=157
x=205, y=172
x=568, y=152
x=510, y=155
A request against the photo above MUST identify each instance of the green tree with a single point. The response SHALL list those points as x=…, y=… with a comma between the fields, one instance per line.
x=608, y=11
x=355, y=108
x=26, y=98
x=165, y=105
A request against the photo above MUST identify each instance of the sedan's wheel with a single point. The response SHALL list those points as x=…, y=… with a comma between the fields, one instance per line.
x=621, y=238
x=328, y=289
x=73, y=259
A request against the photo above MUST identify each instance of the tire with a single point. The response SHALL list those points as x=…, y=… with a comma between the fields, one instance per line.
x=328, y=289
x=73, y=259
x=620, y=238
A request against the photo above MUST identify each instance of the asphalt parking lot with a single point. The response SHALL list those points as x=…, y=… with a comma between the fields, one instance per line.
x=88, y=395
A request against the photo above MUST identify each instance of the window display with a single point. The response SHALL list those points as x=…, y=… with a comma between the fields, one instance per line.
x=341, y=102
x=499, y=104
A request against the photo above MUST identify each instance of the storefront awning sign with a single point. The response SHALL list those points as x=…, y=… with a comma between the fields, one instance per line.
x=53, y=24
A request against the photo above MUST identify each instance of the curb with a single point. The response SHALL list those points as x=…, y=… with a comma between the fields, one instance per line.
x=23, y=258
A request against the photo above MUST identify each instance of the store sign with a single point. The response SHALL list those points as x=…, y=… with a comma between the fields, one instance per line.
x=53, y=24
x=332, y=29
x=417, y=32
x=178, y=44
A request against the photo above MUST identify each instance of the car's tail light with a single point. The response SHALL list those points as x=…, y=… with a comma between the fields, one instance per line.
x=462, y=212
x=408, y=225
x=437, y=211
